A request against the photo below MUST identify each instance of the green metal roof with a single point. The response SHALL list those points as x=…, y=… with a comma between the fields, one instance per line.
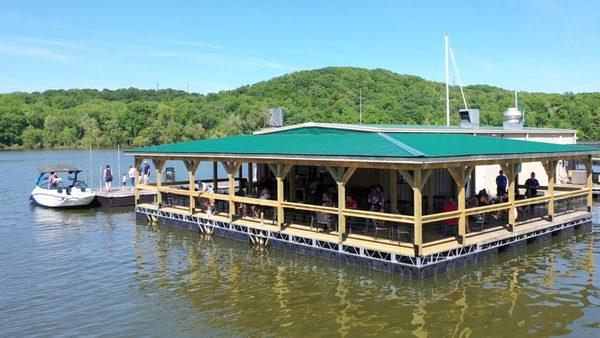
x=314, y=141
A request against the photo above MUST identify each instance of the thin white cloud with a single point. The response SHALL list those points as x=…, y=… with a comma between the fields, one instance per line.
x=33, y=52
x=62, y=44
x=220, y=59
x=190, y=43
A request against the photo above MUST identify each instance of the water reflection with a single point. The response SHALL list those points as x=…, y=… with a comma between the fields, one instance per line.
x=241, y=290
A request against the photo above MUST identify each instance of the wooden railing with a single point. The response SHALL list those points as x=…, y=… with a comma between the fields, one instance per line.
x=379, y=216
x=581, y=192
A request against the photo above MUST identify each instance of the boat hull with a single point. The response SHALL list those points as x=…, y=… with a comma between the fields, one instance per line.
x=53, y=199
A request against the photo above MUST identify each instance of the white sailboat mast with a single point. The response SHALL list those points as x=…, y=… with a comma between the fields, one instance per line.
x=447, y=82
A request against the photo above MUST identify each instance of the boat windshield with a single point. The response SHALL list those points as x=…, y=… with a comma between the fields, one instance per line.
x=71, y=181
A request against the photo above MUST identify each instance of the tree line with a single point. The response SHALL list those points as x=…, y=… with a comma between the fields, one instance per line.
x=80, y=118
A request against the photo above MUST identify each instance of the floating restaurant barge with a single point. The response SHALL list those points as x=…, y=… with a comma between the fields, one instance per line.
x=410, y=235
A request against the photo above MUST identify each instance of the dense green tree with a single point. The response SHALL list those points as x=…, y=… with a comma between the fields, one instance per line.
x=80, y=118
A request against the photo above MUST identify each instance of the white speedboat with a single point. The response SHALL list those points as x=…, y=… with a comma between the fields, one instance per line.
x=54, y=193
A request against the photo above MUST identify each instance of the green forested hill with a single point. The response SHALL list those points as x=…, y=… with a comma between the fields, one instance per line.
x=132, y=117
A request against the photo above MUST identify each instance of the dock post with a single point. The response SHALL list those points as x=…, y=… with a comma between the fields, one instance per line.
x=550, y=168
x=192, y=166
x=136, y=189
x=589, y=182
x=158, y=165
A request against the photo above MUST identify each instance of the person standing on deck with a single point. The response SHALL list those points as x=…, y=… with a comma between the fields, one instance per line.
x=531, y=185
x=108, y=177
x=501, y=182
x=132, y=173
x=145, y=172
x=124, y=182
x=376, y=201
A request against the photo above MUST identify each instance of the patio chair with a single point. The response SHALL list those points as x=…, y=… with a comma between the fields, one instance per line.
x=319, y=218
x=380, y=225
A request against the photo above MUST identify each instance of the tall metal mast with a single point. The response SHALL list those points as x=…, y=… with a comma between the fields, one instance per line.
x=360, y=107
x=447, y=82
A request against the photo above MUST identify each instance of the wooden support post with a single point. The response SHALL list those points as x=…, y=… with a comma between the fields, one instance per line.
x=472, y=187
x=192, y=166
x=231, y=168
x=510, y=170
x=280, y=199
x=394, y=190
x=138, y=167
x=430, y=192
x=250, y=178
x=240, y=177
x=417, y=181
x=418, y=211
x=215, y=176
x=280, y=171
x=158, y=165
x=341, y=176
x=292, y=180
x=461, y=176
x=589, y=183
x=550, y=168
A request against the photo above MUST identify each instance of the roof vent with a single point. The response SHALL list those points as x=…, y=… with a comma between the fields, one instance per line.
x=469, y=118
x=276, y=116
x=513, y=118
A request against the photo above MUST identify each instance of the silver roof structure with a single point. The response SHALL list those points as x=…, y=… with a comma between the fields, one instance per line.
x=401, y=128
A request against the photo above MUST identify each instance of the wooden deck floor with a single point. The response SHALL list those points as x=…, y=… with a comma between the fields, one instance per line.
x=397, y=247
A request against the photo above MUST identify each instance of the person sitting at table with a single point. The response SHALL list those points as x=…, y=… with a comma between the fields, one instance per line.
x=450, y=225
x=240, y=208
x=209, y=203
x=484, y=198
x=328, y=203
x=256, y=209
x=500, y=199
x=351, y=203
x=474, y=203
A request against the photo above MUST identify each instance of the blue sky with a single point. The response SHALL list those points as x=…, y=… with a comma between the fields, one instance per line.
x=533, y=45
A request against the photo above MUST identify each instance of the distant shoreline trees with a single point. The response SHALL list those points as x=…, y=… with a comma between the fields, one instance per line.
x=80, y=118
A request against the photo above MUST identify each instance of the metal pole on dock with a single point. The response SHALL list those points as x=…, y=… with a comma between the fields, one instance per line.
x=90, y=173
x=119, y=164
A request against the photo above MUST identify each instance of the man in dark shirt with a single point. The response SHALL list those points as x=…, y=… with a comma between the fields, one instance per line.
x=145, y=172
x=531, y=185
x=501, y=184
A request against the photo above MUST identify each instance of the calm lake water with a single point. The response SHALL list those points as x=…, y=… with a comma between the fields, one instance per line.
x=100, y=272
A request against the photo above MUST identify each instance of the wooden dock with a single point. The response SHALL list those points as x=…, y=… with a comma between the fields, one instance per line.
x=121, y=197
